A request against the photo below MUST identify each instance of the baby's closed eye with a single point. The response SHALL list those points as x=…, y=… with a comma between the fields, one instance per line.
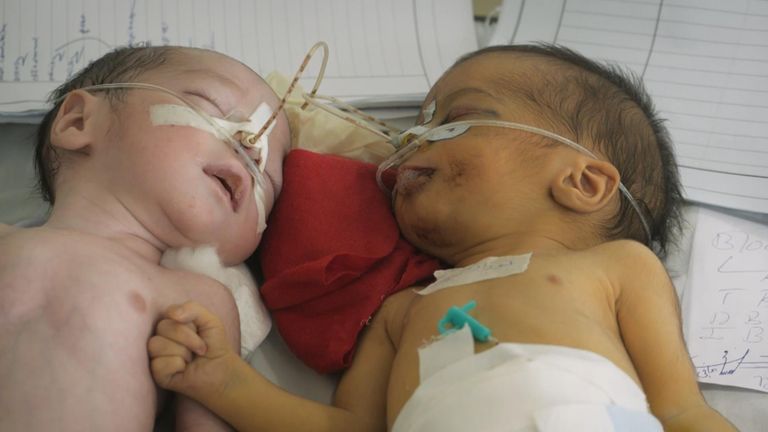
x=467, y=113
x=208, y=104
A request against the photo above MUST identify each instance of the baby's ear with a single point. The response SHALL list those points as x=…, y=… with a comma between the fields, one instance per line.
x=74, y=127
x=586, y=185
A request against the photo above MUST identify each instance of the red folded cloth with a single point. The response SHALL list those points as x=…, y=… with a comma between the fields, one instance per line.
x=331, y=255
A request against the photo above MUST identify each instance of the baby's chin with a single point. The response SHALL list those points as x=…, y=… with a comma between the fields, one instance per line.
x=231, y=255
x=429, y=238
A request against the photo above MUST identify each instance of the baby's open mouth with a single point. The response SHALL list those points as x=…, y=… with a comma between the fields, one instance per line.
x=226, y=186
x=228, y=190
x=230, y=183
x=411, y=179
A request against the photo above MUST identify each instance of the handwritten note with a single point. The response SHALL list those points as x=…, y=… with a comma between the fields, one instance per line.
x=725, y=303
x=378, y=49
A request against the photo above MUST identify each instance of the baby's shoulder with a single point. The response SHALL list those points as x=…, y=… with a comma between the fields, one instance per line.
x=622, y=249
x=29, y=246
x=608, y=257
x=35, y=245
x=45, y=257
x=31, y=260
x=627, y=260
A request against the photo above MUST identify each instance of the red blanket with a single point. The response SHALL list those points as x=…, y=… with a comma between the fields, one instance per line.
x=331, y=255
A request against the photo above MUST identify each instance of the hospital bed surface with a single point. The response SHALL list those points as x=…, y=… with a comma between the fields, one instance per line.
x=19, y=204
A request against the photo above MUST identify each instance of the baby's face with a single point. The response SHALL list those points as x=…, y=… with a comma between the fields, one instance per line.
x=483, y=183
x=183, y=184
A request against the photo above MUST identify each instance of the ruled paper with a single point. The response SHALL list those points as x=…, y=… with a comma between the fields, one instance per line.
x=725, y=301
x=375, y=46
x=705, y=65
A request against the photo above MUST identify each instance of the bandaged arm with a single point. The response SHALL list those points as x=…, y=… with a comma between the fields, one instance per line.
x=650, y=325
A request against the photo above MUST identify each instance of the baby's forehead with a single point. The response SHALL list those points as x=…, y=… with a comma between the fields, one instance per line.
x=499, y=77
x=215, y=74
x=203, y=61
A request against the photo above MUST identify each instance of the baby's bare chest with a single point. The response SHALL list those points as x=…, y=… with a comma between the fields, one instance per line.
x=546, y=307
x=123, y=291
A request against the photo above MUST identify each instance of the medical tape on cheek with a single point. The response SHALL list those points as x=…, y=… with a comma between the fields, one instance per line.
x=179, y=115
x=428, y=112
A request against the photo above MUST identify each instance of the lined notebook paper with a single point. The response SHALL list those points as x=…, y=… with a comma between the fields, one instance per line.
x=379, y=50
x=725, y=302
x=705, y=64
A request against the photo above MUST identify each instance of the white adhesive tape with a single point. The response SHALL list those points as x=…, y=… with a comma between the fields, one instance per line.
x=488, y=268
x=446, y=350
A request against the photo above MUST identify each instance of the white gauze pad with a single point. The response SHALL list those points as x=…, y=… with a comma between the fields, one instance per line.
x=179, y=115
x=255, y=322
x=447, y=349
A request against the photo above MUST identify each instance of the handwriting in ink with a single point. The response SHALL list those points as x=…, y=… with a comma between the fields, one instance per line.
x=762, y=380
x=727, y=292
x=83, y=26
x=72, y=55
x=753, y=318
x=727, y=266
x=712, y=329
x=764, y=299
x=2, y=51
x=724, y=367
x=720, y=318
x=56, y=58
x=164, y=29
x=35, y=60
x=73, y=63
x=754, y=335
x=131, y=23
x=738, y=241
x=17, y=65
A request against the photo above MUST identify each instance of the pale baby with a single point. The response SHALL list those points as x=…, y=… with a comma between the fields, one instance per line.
x=82, y=294
x=592, y=292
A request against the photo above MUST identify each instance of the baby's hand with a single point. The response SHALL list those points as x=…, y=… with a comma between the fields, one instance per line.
x=190, y=352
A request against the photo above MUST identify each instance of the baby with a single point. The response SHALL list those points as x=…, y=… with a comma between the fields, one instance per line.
x=131, y=170
x=556, y=315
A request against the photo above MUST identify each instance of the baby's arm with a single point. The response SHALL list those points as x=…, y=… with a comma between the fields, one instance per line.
x=649, y=321
x=190, y=355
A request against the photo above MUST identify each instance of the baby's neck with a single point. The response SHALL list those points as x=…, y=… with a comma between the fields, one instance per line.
x=505, y=246
x=105, y=217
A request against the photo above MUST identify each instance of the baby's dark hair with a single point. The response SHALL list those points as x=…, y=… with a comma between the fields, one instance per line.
x=120, y=65
x=607, y=106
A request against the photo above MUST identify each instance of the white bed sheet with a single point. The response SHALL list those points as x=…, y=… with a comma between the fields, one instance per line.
x=747, y=409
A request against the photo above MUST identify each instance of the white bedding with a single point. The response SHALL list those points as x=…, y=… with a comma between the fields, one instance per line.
x=747, y=409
